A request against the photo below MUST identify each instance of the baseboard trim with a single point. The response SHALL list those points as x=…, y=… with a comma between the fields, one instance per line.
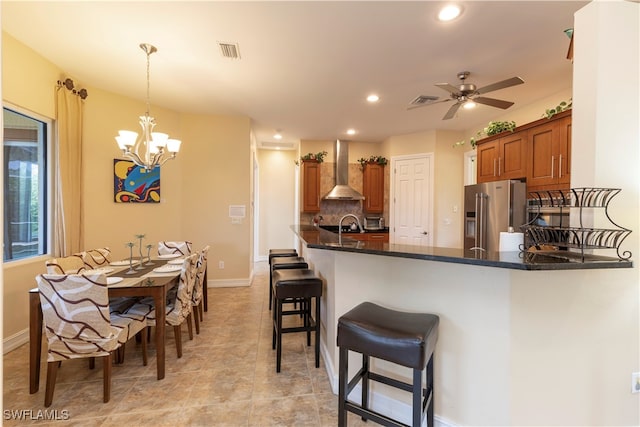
x=15, y=341
x=228, y=283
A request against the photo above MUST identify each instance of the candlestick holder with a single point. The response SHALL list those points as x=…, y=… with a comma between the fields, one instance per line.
x=131, y=270
x=140, y=237
x=149, y=255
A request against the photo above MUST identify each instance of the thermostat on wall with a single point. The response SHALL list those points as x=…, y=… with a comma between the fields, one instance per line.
x=236, y=213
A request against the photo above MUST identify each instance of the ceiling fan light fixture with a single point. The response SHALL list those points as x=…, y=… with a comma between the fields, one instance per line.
x=469, y=105
x=449, y=12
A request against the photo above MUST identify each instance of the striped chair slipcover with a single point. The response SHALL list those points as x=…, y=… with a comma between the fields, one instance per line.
x=180, y=248
x=96, y=258
x=178, y=310
x=75, y=309
x=71, y=264
x=196, y=300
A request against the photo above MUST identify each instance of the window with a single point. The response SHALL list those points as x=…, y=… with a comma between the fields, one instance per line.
x=26, y=184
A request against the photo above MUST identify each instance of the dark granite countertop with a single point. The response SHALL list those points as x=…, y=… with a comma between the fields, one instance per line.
x=549, y=260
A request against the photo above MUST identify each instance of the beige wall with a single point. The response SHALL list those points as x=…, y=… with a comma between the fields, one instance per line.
x=212, y=171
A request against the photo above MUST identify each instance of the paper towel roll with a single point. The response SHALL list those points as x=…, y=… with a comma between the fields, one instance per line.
x=510, y=241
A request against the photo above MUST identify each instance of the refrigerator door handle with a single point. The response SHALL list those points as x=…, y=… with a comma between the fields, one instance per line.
x=479, y=235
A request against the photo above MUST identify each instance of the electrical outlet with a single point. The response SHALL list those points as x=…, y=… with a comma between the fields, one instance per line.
x=635, y=382
x=221, y=265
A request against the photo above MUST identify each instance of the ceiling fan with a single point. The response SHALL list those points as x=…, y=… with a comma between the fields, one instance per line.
x=467, y=93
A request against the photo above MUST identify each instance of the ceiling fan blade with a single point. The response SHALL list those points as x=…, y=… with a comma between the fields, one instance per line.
x=452, y=111
x=446, y=86
x=500, y=85
x=492, y=102
x=414, y=106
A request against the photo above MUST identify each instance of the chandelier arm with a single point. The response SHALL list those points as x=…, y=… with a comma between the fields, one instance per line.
x=134, y=157
x=164, y=160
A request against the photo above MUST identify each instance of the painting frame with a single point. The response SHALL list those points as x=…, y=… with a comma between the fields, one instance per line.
x=135, y=184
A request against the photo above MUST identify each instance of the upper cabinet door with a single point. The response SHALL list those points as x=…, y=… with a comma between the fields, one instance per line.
x=544, y=157
x=373, y=187
x=512, y=163
x=310, y=186
x=487, y=167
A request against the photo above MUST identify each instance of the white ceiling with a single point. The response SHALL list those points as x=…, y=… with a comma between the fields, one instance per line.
x=306, y=67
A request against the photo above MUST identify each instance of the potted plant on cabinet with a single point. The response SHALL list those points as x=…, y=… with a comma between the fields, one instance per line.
x=376, y=160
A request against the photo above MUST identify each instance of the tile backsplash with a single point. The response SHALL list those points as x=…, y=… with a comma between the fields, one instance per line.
x=332, y=210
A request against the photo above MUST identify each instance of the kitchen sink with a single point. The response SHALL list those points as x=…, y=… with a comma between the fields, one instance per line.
x=335, y=229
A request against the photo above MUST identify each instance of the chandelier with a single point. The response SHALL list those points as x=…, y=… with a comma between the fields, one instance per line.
x=152, y=148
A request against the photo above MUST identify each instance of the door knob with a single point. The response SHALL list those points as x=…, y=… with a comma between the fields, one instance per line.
x=425, y=233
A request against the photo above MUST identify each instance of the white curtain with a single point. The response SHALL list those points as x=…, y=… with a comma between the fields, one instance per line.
x=68, y=223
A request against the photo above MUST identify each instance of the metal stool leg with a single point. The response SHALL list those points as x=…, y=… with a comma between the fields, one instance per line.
x=342, y=386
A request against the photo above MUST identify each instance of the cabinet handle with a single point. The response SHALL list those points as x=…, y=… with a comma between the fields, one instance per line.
x=560, y=167
x=494, y=167
x=552, y=165
x=499, y=166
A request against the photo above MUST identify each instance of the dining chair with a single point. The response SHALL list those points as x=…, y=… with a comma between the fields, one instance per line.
x=169, y=248
x=77, y=322
x=197, y=300
x=179, y=310
x=71, y=264
x=96, y=258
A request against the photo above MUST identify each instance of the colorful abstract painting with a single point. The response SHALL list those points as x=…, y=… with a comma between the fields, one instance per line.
x=133, y=184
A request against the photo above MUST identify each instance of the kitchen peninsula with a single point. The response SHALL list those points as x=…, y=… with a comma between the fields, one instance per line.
x=516, y=333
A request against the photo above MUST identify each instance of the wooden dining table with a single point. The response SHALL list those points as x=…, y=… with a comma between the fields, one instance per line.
x=143, y=283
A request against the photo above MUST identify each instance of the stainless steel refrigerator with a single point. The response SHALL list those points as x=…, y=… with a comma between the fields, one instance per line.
x=490, y=208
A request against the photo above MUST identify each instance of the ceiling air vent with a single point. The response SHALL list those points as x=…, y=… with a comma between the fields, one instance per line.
x=423, y=99
x=229, y=50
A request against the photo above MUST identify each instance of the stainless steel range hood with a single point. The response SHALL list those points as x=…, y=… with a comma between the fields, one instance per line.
x=342, y=191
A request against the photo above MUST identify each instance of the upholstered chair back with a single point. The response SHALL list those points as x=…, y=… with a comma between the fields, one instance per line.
x=180, y=248
x=72, y=264
x=96, y=258
x=201, y=268
x=182, y=305
x=75, y=310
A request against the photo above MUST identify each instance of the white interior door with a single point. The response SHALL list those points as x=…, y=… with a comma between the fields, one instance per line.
x=412, y=200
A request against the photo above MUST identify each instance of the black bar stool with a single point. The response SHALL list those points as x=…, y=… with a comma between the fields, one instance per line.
x=291, y=285
x=407, y=339
x=274, y=253
x=284, y=263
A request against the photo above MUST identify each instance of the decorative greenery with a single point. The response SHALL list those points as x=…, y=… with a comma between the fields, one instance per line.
x=372, y=159
x=493, y=128
x=563, y=106
x=319, y=157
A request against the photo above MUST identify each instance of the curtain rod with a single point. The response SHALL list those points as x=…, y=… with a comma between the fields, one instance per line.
x=68, y=83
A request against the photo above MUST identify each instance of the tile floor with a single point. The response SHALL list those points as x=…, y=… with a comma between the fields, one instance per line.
x=226, y=376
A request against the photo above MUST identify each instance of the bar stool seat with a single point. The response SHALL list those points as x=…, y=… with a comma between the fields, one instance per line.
x=298, y=285
x=274, y=253
x=406, y=339
x=284, y=263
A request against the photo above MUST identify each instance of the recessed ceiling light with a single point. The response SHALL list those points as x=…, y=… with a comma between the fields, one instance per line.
x=373, y=98
x=351, y=132
x=449, y=12
x=277, y=136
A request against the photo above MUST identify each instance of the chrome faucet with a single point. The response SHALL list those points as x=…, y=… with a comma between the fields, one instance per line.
x=340, y=224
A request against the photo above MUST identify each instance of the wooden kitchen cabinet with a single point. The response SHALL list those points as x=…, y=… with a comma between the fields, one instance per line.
x=369, y=237
x=549, y=155
x=503, y=158
x=539, y=151
x=310, y=186
x=373, y=187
